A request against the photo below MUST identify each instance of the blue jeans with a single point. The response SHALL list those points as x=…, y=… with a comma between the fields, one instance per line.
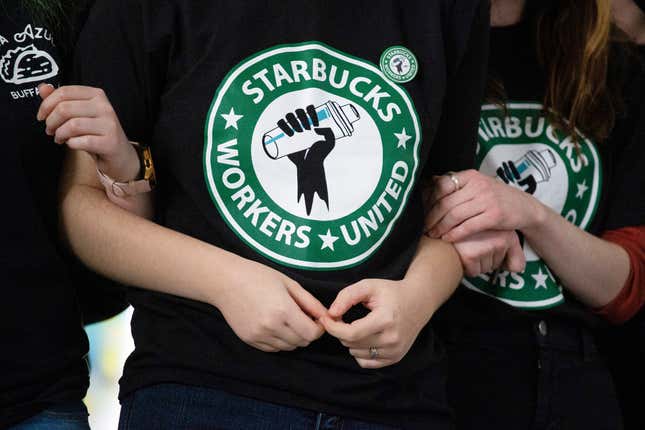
x=68, y=416
x=176, y=407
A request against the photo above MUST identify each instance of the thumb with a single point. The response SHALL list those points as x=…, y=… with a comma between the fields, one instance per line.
x=45, y=90
x=306, y=301
x=326, y=133
x=515, y=260
x=349, y=297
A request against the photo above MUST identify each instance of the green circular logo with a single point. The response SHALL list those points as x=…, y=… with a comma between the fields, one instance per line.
x=522, y=149
x=310, y=155
x=399, y=64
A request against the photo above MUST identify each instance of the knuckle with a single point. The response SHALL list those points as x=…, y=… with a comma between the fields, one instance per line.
x=469, y=258
x=394, y=338
x=495, y=213
x=63, y=109
x=99, y=92
x=278, y=316
x=74, y=124
x=77, y=141
x=106, y=108
x=111, y=126
x=89, y=140
x=267, y=323
x=448, y=219
x=389, y=319
x=363, y=364
x=311, y=336
x=471, y=271
x=398, y=356
x=256, y=333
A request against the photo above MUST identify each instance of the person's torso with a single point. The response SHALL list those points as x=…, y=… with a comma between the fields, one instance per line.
x=575, y=176
x=328, y=206
x=40, y=325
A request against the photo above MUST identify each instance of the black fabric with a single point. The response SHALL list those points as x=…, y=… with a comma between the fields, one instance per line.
x=548, y=378
x=171, y=57
x=513, y=62
x=501, y=370
x=625, y=348
x=625, y=345
x=44, y=346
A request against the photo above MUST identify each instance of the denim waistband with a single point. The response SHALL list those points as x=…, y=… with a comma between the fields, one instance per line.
x=547, y=332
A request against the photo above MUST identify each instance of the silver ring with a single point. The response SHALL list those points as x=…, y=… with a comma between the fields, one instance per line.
x=455, y=180
x=373, y=352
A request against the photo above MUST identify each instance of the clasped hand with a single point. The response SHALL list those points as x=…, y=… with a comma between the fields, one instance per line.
x=480, y=218
x=266, y=309
x=272, y=312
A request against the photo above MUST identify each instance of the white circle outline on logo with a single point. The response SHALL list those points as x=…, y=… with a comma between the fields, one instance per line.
x=583, y=224
x=209, y=148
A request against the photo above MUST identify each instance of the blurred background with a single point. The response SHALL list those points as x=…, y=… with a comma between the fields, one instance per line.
x=110, y=345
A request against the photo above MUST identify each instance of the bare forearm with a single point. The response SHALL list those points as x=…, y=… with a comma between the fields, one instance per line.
x=433, y=275
x=592, y=269
x=138, y=252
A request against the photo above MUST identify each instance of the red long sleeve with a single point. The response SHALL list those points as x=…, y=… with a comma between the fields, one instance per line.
x=632, y=297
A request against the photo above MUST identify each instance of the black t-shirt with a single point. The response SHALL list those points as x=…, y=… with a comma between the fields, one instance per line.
x=389, y=89
x=597, y=187
x=43, y=343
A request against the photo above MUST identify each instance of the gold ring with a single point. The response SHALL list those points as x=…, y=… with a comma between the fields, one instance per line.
x=373, y=352
x=455, y=180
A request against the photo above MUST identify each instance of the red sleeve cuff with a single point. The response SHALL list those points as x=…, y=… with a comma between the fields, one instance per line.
x=632, y=297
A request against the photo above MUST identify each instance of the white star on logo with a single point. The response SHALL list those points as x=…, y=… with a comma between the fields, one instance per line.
x=328, y=240
x=581, y=189
x=403, y=139
x=540, y=279
x=231, y=119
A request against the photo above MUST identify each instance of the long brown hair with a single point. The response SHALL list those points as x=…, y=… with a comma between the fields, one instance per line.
x=573, y=45
x=572, y=39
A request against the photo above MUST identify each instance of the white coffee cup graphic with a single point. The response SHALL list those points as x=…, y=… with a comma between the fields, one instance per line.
x=340, y=119
x=538, y=164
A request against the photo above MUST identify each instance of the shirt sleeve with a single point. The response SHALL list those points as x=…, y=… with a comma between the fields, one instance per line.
x=632, y=297
x=113, y=53
x=456, y=138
